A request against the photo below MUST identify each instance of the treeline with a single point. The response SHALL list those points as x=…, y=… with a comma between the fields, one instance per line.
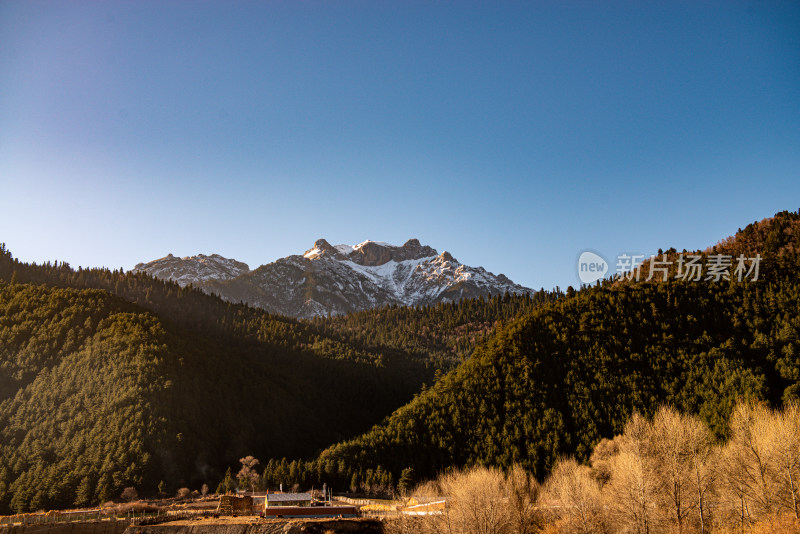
x=758, y=246
x=296, y=474
x=445, y=333
x=664, y=475
x=775, y=236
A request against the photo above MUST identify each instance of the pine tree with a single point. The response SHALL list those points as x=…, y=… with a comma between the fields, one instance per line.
x=83, y=495
x=406, y=481
x=228, y=483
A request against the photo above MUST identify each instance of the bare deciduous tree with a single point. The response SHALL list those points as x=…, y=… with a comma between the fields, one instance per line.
x=786, y=455
x=473, y=501
x=247, y=475
x=750, y=487
x=703, y=464
x=523, y=498
x=129, y=494
x=478, y=501
x=681, y=448
x=574, y=496
x=600, y=459
x=631, y=492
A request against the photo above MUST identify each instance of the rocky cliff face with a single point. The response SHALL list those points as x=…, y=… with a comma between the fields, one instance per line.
x=338, y=279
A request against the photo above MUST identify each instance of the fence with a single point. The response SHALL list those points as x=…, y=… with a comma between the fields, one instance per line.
x=379, y=514
x=356, y=502
x=98, y=515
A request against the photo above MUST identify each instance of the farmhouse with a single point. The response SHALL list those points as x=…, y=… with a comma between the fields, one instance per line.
x=287, y=499
x=299, y=505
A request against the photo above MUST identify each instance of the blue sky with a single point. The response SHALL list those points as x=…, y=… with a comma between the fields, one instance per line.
x=512, y=134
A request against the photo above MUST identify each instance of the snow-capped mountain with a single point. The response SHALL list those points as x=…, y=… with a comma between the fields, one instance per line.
x=193, y=269
x=338, y=279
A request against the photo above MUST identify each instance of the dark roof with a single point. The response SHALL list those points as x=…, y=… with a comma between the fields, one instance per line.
x=283, y=497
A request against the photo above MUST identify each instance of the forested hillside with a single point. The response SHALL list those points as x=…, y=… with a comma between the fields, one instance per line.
x=563, y=377
x=161, y=383
x=99, y=394
x=573, y=371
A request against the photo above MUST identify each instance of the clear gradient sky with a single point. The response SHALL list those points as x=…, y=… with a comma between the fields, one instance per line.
x=512, y=134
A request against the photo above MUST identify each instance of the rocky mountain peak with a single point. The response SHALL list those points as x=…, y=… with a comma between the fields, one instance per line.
x=323, y=248
x=446, y=256
x=193, y=269
x=376, y=253
x=372, y=253
x=413, y=250
x=338, y=278
x=323, y=245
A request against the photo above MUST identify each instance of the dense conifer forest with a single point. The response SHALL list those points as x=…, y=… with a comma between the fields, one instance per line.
x=99, y=394
x=567, y=375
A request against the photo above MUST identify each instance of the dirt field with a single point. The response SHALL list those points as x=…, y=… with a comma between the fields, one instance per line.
x=255, y=525
x=84, y=527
